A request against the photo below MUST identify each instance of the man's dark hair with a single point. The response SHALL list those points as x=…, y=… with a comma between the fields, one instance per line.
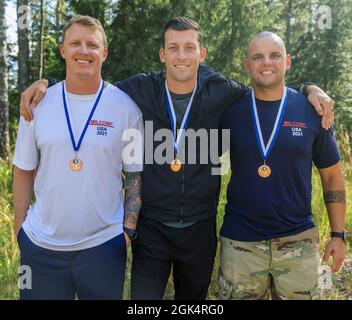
x=182, y=24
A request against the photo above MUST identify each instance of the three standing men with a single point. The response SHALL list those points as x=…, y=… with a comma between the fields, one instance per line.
x=176, y=227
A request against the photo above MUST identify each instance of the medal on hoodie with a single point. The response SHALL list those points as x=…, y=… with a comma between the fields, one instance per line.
x=264, y=170
x=76, y=163
x=176, y=164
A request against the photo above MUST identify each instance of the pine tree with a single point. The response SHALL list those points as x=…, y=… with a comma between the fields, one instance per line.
x=4, y=104
x=23, y=44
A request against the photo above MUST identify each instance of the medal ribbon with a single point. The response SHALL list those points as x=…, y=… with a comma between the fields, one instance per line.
x=172, y=116
x=76, y=147
x=265, y=150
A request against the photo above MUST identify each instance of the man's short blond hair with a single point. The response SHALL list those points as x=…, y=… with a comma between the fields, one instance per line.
x=85, y=21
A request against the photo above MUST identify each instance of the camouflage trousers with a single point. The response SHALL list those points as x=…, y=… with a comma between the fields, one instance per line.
x=283, y=268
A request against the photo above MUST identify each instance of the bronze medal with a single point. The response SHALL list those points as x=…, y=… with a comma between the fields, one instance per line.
x=76, y=164
x=176, y=165
x=177, y=135
x=264, y=171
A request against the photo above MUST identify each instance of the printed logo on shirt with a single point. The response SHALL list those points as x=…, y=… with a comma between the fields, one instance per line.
x=296, y=127
x=102, y=126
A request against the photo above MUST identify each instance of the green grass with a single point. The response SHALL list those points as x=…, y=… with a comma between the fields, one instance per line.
x=9, y=253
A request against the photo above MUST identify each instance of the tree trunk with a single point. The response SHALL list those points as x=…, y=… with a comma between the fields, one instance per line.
x=41, y=40
x=58, y=17
x=288, y=26
x=23, y=47
x=4, y=103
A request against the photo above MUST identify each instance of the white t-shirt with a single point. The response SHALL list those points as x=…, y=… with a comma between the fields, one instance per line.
x=76, y=210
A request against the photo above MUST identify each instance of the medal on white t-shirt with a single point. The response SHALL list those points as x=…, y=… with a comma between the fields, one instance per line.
x=76, y=163
x=177, y=135
x=264, y=170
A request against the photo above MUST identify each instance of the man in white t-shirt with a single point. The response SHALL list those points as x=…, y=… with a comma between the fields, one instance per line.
x=85, y=135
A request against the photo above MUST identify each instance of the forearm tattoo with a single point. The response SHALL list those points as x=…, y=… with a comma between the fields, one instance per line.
x=133, y=197
x=336, y=196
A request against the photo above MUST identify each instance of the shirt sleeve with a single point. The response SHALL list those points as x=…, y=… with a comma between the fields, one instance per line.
x=133, y=151
x=52, y=82
x=326, y=152
x=138, y=87
x=26, y=155
x=229, y=91
x=238, y=90
x=298, y=87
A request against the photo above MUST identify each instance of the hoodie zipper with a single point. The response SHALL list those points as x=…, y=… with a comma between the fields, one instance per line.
x=183, y=170
x=183, y=194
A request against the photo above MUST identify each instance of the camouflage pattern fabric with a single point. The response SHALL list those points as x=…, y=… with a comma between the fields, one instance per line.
x=283, y=268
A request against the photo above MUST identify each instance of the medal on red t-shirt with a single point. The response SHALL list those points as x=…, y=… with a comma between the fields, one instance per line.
x=264, y=170
x=176, y=164
x=76, y=163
